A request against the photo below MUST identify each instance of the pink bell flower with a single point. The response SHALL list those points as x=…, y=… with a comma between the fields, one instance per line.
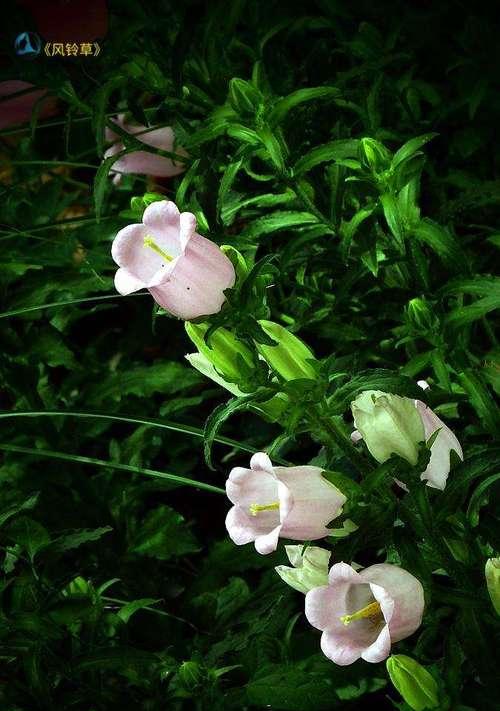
x=143, y=162
x=362, y=614
x=185, y=273
x=439, y=465
x=279, y=502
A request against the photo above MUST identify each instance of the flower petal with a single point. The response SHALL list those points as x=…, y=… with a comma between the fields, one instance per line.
x=342, y=650
x=438, y=468
x=320, y=607
x=128, y=251
x=187, y=223
x=261, y=462
x=127, y=283
x=380, y=648
x=269, y=542
x=316, y=502
x=196, y=286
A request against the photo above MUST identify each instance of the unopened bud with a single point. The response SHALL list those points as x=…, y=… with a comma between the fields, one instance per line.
x=231, y=358
x=421, y=316
x=290, y=357
x=492, y=573
x=375, y=155
x=416, y=685
x=310, y=569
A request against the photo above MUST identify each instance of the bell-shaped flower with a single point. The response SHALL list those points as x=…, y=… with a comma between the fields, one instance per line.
x=362, y=613
x=310, y=567
x=185, y=273
x=143, y=162
x=389, y=424
x=273, y=502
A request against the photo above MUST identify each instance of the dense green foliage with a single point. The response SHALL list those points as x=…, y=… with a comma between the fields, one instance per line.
x=348, y=150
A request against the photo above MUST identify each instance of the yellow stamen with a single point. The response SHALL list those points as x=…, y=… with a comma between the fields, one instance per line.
x=255, y=508
x=149, y=242
x=372, y=611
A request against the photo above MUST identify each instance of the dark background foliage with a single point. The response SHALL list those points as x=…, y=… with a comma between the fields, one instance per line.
x=120, y=589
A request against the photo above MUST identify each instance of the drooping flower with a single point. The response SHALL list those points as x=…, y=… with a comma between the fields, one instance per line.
x=362, y=613
x=390, y=424
x=144, y=162
x=18, y=109
x=310, y=567
x=185, y=273
x=273, y=502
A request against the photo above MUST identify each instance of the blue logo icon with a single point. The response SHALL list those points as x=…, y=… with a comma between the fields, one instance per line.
x=28, y=45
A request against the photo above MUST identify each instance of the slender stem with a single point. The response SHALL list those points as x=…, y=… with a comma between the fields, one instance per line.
x=175, y=478
x=161, y=424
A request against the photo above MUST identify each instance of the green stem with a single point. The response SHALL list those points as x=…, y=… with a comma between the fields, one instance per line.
x=175, y=478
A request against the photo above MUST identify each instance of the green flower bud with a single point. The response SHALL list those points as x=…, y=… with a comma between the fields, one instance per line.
x=290, y=357
x=389, y=424
x=492, y=573
x=205, y=367
x=415, y=684
x=310, y=569
x=231, y=358
x=244, y=97
x=420, y=315
x=191, y=675
x=271, y=409
x=375, y=155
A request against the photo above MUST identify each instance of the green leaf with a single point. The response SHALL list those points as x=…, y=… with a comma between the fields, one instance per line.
x=221, y=413
x=163, y=534
x=287, y=103
x=441, y=242
x=69, y=541
x=393, y=217
x=168, y=377
x=126, y=612
x=28, y=503
x=334, y=151
x=29, y=534
x=411, y=147
x=101, y=181
x=476, y=500
x=277, y=221
x=376, y=379
x=481, y=400
x=226, y=183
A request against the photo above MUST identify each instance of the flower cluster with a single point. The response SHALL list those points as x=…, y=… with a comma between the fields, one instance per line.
x=360, y=612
